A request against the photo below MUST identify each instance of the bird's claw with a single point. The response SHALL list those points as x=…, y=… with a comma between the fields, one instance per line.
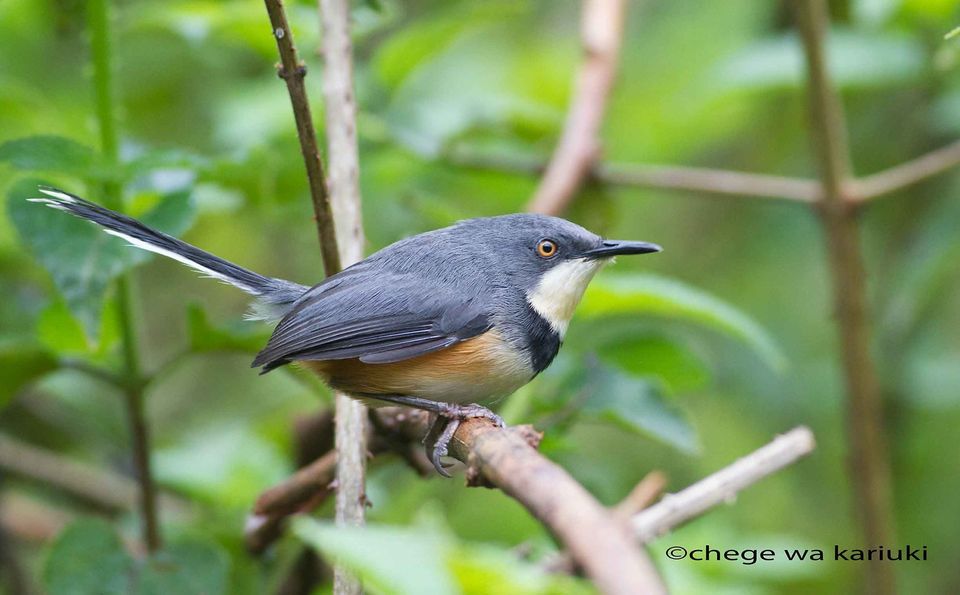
x=449, y=418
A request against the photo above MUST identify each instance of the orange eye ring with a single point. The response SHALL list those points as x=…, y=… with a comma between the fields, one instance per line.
x=547, y=248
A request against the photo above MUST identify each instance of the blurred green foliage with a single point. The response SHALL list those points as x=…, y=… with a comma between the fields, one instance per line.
x=680, y=362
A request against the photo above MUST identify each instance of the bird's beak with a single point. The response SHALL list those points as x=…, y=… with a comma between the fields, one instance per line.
x=612, y=248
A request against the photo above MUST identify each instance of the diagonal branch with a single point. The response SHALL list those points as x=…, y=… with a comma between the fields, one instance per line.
x=906, y=174
x=293, y=71
x=601, y=32
x=675, y=509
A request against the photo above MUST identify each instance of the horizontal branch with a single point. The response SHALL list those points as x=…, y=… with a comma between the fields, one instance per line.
x=729, y=182
x=659, y=177
x=675, y=509
x=97, y=486
x=715, y=181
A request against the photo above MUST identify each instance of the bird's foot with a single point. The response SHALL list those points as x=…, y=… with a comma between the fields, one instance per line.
x=449, y=418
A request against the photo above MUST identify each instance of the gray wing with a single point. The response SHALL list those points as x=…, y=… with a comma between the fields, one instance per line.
x=378, y=319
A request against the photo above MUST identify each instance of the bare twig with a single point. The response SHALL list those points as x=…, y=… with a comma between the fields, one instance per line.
x=715, y=181
x=666, y=177
x=341, y=118
x=302, y=491
x=601, y=32
x=641, y=496
x=906, y=174
x=293, y=71
x=97, y=486
x=675, y=509
x=869, y=464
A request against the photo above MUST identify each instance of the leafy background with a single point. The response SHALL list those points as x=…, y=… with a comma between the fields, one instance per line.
x=680, y=362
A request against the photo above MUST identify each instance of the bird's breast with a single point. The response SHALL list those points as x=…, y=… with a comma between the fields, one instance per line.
x=478, y=369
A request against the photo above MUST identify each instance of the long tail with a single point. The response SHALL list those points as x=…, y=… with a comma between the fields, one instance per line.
x=274, y=296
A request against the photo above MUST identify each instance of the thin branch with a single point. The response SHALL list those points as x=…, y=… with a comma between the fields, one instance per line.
x=601, y=32
x=100, y=21
x=341, y=118
x=714, y=181
x=675, y=509
x=641, y=496
x=293, y=71
x=906, y=174
x=302, y=491
x=97, y=486
x=869, y=463
x=660, y=177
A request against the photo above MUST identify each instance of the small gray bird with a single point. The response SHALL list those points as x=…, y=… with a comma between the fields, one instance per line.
x=439, y=321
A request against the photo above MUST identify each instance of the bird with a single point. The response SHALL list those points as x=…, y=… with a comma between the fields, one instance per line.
x=442, y=321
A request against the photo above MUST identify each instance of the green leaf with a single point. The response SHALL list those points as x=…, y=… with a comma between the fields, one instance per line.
x=393, y=560
x=651, y=295
x=855, y=60
x=87, y=558
x=656, y=356
x=83, y=260
x=21, y=364
x=636, y=405
x=168, y=159
x=206, y=337
x=48, y=153
x=486, y=569
x=187, y=569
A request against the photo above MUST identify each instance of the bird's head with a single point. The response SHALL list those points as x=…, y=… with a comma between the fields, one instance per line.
x=550, y=259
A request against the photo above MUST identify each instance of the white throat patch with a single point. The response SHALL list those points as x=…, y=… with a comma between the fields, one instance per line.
x=559, y=291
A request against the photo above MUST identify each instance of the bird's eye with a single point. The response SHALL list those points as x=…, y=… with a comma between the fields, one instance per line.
x=546, y=248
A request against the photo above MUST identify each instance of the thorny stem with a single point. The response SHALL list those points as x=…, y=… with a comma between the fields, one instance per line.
x=99, y=18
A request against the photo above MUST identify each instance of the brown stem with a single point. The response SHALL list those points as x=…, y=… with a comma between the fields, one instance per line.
x=869, y=464
x=293, y=71
x=601, y=32
x=661, y=177
x=147, y=495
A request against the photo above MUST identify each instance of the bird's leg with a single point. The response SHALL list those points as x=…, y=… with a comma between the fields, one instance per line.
x=449, y=416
